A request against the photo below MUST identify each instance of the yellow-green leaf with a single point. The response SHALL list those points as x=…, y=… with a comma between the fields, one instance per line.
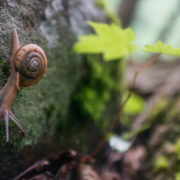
x=134, y=105
x=162, y=48
x=110, y=40
x=161, y=162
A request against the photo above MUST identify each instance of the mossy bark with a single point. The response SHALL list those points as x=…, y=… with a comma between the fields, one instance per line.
x=53, y=25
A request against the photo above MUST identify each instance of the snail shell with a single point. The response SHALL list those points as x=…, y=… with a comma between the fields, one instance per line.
x=31, y=62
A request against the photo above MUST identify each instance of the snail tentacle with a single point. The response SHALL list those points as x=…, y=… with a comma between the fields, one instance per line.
x=18, y=82
x=6, y=124
x=8, y=114
x=14, y=47
x=15, y=120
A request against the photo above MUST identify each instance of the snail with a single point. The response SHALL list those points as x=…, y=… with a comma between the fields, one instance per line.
x=28, y=63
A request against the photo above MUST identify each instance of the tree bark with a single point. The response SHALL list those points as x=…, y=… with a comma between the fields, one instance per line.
x=126, y=11
x=55, y=26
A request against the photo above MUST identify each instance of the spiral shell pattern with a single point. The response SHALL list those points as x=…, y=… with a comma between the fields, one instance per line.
x=31, y=62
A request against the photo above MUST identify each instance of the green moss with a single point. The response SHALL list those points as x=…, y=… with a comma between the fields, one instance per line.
x=98, y=87
x=43, y=108
x=36, y=107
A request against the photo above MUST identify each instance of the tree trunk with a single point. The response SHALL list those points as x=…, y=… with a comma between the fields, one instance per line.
x=126, y=11
x=53, y=25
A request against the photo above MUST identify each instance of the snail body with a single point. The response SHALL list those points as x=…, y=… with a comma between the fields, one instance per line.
x=28, y=64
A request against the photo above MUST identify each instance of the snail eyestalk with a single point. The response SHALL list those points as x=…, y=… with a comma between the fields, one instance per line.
x=28, y=64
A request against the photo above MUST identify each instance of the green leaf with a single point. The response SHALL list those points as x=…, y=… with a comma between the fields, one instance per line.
x=110, y=40
x=134, y=105
x=160, y=47
x=177, y=148
x=177, y=176
x=161, y=162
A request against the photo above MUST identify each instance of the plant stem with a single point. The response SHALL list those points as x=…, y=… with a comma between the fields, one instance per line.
x=136, y=73
x=149, y=62
x=101, y=143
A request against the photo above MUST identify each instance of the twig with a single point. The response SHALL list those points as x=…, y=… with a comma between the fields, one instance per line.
x=133, y=64
x=148, y=63
x=136, y=73
x=101, y=143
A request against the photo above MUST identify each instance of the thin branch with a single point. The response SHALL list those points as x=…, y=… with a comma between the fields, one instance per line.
x=136, y=73
x=101, y=143
x=149, y=62
x=133, y=63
